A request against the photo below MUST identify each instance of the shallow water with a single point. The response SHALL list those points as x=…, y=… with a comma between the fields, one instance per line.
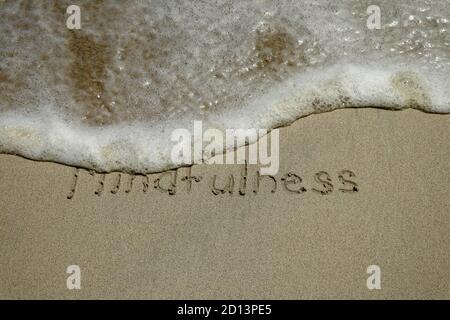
x=108, y=96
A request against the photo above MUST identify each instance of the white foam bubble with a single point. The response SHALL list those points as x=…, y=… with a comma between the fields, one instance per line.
x=108, y=96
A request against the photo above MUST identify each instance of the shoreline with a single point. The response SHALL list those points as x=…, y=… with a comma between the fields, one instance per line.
x=283, y=245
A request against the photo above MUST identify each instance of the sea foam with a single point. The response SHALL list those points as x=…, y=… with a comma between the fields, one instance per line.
x=108, y=96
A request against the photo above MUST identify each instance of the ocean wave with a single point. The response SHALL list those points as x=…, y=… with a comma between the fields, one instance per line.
x=108, y=96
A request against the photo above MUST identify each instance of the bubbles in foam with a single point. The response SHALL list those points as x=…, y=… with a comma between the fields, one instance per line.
x=107, y=97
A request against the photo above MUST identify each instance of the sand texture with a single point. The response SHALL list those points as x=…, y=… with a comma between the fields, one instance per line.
x=195, y=244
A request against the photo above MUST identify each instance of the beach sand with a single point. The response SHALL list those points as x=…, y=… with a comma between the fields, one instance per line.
x=283, y=245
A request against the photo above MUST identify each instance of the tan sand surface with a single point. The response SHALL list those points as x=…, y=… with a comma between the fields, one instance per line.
x=194, y=244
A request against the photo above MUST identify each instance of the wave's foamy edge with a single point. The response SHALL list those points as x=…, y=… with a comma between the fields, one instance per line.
x=146, y=147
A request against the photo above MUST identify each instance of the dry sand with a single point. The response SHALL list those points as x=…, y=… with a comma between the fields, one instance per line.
x=267, y=245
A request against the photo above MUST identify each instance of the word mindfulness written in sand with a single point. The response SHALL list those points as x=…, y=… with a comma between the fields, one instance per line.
x=243, y=183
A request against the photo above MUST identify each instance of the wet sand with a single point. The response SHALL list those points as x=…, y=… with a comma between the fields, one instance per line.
x=133, y=241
